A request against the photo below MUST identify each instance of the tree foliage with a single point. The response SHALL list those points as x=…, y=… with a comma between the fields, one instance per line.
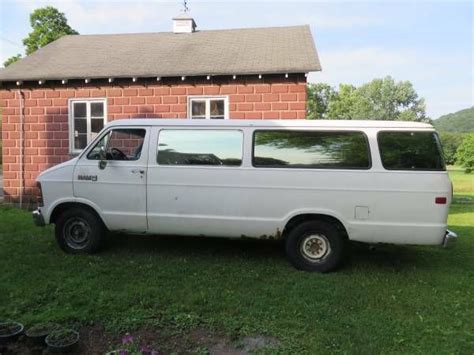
x=12, y=60
x=465, y=153
x=319, y=96
x=381, y=99
x=48, y=24
x=450, y=142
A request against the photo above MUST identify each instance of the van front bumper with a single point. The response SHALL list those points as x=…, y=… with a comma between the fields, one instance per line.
x=449, y=239
x=38, y=218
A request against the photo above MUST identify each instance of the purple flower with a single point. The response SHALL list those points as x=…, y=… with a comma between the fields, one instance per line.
x=127, y=339
x=154, y=352
x=145, y=350
x=123, y=352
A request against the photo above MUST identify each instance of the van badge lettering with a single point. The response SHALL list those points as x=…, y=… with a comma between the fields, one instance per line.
x=87, y=177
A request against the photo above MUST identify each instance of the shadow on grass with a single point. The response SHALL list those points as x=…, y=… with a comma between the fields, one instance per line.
x=193, y=246
x=359, y=255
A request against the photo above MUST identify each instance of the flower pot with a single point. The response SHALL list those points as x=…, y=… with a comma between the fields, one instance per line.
x=62, y=340
x=10, y=331
x=38, y=333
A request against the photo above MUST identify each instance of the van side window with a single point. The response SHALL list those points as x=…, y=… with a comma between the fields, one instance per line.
x=200, y=147
x=410, y=151
x=311, y=149
x=120, y=144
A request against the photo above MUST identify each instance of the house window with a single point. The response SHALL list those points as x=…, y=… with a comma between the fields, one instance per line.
x=208, y=108
x=86, y=119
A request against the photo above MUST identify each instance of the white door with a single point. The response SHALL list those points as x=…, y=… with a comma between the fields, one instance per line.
x=117, y=190
x=194, y=182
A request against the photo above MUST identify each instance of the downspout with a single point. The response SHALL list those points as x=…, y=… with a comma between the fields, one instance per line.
x=20, y=93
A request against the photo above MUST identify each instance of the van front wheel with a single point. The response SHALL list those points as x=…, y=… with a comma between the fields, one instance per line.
x=79, y=231
x=315, y=246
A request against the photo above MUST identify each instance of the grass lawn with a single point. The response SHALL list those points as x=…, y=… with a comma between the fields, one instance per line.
x=391, y=299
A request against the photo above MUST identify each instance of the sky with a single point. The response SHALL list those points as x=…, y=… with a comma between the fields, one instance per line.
x=429, y=43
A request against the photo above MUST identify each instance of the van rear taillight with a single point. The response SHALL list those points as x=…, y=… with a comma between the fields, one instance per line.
x=441, y=200
x=40, y=196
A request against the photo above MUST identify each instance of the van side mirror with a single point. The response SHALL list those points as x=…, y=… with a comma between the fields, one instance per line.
x=103, y=158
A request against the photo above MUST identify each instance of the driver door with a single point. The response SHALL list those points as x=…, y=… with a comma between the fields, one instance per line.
x=112, y=176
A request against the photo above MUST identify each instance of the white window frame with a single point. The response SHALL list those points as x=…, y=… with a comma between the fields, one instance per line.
x=208, y=99
x=87, y=101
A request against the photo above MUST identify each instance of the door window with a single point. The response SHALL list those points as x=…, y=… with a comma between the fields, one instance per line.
x=200, y=147
x=410, y=151
x=311, y=149
x=120, y=144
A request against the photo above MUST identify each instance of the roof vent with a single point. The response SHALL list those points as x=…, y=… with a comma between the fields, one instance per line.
x=183, y=23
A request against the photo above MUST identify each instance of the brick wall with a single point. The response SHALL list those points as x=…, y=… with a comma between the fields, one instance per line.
x=45, y=130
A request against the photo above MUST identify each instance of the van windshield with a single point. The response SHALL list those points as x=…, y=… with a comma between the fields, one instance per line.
x=410, y=151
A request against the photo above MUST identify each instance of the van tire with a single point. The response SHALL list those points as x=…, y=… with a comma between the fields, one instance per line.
x=79, y=231
x=315, y=246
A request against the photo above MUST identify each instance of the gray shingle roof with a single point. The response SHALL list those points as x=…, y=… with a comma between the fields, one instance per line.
x=166, y=54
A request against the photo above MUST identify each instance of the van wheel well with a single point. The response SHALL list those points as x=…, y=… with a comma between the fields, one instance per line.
x=59, y=209
x=297, y=220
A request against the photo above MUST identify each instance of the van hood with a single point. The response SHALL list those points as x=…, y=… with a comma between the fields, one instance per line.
x=49, y=173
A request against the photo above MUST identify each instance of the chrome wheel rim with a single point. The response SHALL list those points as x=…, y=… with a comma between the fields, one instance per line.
x=315, y=247
x=76, y=233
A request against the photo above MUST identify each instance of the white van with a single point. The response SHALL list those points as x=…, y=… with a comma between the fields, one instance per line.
x=315, y=184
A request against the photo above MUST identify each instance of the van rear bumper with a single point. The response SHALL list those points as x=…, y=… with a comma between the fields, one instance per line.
x=38, y=218
x=449, y=239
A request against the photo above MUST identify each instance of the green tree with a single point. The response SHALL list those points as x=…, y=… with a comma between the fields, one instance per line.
x=48, y=25
x=12, y=60
x=346, y=104
x=390, y=100
x=319, y=95
x=380, y=99
x=465, y=153
x=450, y=142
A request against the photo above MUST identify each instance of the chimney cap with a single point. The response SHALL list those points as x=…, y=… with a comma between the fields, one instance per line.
x=183, y=16
x=183, y=23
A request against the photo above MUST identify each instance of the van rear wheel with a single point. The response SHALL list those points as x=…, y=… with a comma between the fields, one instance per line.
x=79, y=231
x=315, y=246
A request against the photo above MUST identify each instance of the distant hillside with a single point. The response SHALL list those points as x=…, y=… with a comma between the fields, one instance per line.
x=461, y=121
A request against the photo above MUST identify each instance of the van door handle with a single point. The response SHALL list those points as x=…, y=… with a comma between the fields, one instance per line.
x=138, y=171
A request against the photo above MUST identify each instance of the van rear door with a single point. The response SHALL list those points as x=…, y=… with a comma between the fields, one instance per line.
x=412, y=191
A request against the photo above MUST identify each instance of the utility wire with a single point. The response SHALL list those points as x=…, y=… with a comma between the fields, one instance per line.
x=11, y=42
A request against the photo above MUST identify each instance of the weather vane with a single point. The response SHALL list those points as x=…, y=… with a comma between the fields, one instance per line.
x=185, y=6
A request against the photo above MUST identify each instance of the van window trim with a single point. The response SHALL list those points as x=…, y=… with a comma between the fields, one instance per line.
x=364, y=134
x=203, y=128
x=438, y=141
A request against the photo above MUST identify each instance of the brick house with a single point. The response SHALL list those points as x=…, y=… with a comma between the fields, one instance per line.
x=57, y=99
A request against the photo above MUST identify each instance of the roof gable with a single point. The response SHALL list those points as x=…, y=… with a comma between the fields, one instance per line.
x=216, y=52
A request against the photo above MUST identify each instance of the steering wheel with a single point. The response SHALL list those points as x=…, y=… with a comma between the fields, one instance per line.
x=118, y=154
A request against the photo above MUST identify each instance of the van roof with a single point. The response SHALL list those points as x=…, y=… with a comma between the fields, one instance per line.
x=270, y=123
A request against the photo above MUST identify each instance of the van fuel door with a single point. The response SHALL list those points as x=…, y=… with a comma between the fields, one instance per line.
x=361, y=212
